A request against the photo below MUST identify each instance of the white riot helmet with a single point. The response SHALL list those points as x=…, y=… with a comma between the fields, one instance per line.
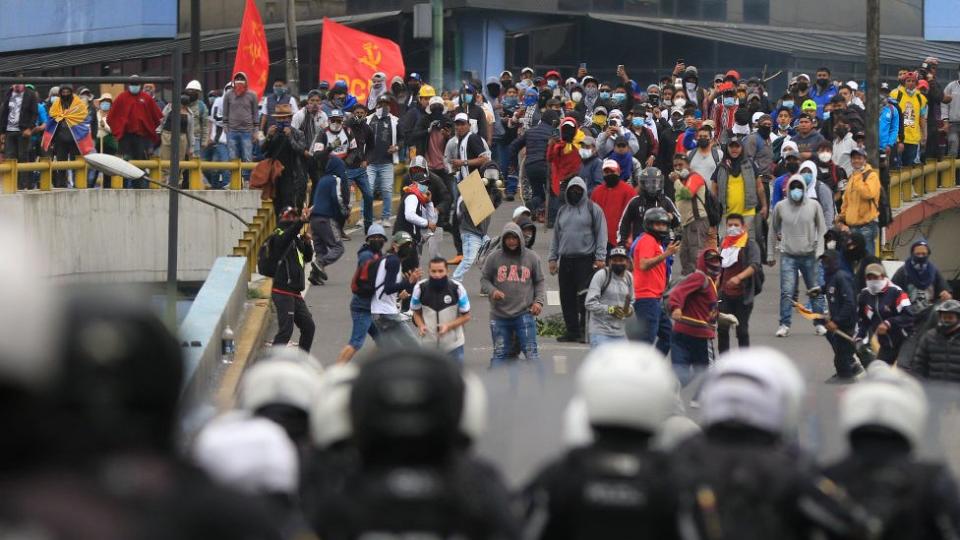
x=887, y=399
x=330, y=418
x=194, y=85
x=248, y=453
x=758, y=387
x=576, y=426
x=279, y=380
x=674, y=431
x=473, y=419
x=626, y=385
x=519, y=211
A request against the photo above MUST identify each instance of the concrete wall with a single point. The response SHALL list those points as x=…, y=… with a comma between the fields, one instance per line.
x=121, y=235
x=941, y=232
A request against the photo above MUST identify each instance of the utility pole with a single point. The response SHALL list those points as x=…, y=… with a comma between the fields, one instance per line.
x=873, y=81
x=436, y=51
x=195, y=63
x=293, y=59
x=173, y=221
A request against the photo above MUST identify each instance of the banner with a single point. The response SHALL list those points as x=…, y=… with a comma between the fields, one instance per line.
x=253, y=57
x=354, y=56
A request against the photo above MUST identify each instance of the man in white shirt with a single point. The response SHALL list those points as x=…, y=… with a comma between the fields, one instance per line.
x=216, y=146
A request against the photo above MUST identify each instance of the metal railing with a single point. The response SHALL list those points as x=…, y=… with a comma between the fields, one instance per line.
x=914, y=182
x=261, y=227
x=158, y=170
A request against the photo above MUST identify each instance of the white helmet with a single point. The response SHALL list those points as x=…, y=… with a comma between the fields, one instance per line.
x=330, y=417
x=279, y=381
x=888, y=399
x=626, y=385
x=473, y=419
x=759, y=387
x=674, y=431
x=576, y=426
x=248, y=453
x=194, y=85
x=520, y=210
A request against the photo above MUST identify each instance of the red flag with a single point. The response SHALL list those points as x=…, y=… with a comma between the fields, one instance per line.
x=354, y=56
x=253, y=57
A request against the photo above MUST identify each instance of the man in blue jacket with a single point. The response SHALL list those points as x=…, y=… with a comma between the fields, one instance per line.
x=823, y=91
x=889, y=123
x=328, y=209
x=535, y=165
x=842, y=301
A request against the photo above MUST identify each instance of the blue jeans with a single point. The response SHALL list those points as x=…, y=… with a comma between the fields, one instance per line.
x=218, y=152
x=240, y=145
x=789, y=265
x=870, y=231
x=457, y=354
x=524, y=327
x=362, y=325
x=654, y=323
x=359, y=179
x=689, y=356
x=597, y=340
x=471, y=247
x=380, y=178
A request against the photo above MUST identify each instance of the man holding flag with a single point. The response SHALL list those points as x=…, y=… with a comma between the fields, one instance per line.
x=740, y=263
x=67, y=130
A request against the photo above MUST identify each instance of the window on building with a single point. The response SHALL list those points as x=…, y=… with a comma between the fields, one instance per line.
x=756, y=11
x=710, y=10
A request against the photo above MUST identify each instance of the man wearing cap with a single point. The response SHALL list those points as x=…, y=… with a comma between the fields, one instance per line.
x=378, y=87
x=240, y=120
x=216, y=145
x=591, y=166
x=861, y=200
x=612, y=196
x=823, y=90
x=18, y=116
x=609, y=300
x=758, y=147
x=383, y=154
x=472, y=151
x=935, y=100
x=884, y=313
x=392, y=286
x=411, y=96
x=724, y=113
x=291, y=248
x=363, y=325
x=564, y=159
x=134, y=119
x=287, y=145
x=475, y=114
x=913, y=111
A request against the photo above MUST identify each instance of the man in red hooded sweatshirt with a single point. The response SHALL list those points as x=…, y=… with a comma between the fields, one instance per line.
x=612, y=196
x=564, y=159
x=693, y=305
x=134, y=118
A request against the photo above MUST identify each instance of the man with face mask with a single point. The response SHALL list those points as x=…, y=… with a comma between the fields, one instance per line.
x=842, y=303
x=67, y=115
x=790, y=166
x=609, y=300
x=383, y=154
x=823, y=91
x=393, y=285
x=861, y=200
x=693, y=308
x=936, y=356
x=591, y=96
x=758, y=146
x=134, y=119
x=798, y=223
x=441, y=308
x=368, y=257
x=612, y=197
x=740, y=263
x=690, y=189
x=563, y=156
x=922, y=280
x=884, y=314
x=280, y=95
x=240, y=119
x=18, y=117
x=579, y=247
x=591, y=168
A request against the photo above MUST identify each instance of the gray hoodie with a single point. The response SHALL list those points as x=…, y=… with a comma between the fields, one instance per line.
x=800, y=225
x=619, y=290
x=516, y=274
x=581, y=229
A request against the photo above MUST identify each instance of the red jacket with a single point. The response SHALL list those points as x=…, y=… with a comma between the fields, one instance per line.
x=563, y=166
x=696, y=297
x=613, y=201
x=137, y=114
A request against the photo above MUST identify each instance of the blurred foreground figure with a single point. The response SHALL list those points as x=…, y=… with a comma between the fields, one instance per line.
x=884, y=418
x=742, y=479
x=615, y=486
x=405, y=411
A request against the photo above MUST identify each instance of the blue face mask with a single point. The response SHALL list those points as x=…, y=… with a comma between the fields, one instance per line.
x=279, y=91
x=788, y=104
x=604, y=95
x=468, y=98
x=619, y=97
x=807, y=177
x=134, y=88
x=637, y=122
x=105, y=106
x=552, y=83
x=729, y=101
x=796, y=194
x=530, y=101
x=510, y=101
x=826, y=115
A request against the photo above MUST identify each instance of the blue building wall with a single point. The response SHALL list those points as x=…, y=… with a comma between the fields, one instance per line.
x=483, y=35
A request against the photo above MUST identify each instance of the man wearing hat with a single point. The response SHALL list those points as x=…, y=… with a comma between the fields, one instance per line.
x=724, y=114
x=861, y=200
x=287, y=145
x=368, y=256
x=475, y=114
x=913, y=111
x=383, y=154
x=935, y=100
x=18, y=116
x=884, y=313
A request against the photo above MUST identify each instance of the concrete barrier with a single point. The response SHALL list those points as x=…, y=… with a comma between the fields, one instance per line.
x=120, y=235
x=218, y=304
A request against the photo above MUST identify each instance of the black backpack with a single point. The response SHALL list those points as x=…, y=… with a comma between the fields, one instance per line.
x=267, y=259
x=364, y=282
x=711, y=205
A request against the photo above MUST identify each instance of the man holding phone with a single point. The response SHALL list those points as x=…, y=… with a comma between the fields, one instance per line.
x=288, y=146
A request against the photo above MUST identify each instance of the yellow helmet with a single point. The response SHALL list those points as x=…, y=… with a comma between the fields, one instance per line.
x=427, y=91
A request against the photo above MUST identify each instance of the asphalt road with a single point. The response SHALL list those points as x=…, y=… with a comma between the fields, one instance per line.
x=526, y=404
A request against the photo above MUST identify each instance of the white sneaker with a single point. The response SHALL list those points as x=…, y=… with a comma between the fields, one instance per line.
x=386, y=223
x=820, y=330
x=783, y=331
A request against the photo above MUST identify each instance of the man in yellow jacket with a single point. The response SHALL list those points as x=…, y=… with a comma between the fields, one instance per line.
x=861, y=201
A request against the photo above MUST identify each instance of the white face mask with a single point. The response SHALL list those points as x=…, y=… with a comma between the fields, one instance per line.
x=691, y=86
x=832, y=244
x=679, y=102
x=825, y=156
x=734, y=230
x=586, y=153
x=576, y=97
x=875, y=286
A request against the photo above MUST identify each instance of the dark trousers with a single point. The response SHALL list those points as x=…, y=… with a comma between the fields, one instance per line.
x=327, y=246
x=292, y=310
x=537, y=175
x=64, y=149
x=133, y=146
x=574, y=276
x=843, y=352
x=741, y=311
x=17, y=146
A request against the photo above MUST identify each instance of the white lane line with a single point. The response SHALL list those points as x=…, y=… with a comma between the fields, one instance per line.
x=560, y=364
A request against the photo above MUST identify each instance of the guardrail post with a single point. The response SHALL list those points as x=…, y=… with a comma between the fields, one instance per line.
x=46, y=174
x=116, y=182
x=10, y=178
x=896, y=201
x=948, y=178
x=154, y=173
x=80, y=175
x=236, y=175
x=195, y=175
x=919, y=180
x=930, y=177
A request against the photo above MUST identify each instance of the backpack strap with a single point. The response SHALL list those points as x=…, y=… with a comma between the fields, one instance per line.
x=606, y=281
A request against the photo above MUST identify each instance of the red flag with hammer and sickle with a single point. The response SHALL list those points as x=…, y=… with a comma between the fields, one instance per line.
x=253, y=57
x=354, y=56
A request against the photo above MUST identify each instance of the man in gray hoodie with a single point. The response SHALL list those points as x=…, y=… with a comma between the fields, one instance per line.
x=798, y=222
x=579, y=247
x=609, y=300
x=514, y=281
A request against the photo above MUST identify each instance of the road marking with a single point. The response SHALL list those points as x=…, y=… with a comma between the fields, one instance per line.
x=560, y=365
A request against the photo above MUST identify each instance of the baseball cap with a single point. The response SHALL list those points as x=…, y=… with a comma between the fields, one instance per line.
x=435, y=100
x=709, y=124
x=875, y=269
x=859, y=151
x=809, y=104
x=618, y=251
x=885, y=86
x=609, y=164
x=413, y=76
x=461, y=117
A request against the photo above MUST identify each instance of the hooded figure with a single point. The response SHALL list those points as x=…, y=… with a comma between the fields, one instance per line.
x=921, y=279
x=818, y=190
x=517, y=274
x=857, y=259
x=529, y=229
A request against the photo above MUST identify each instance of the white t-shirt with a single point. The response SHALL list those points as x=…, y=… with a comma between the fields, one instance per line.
x=705, y=165
x=384, y=304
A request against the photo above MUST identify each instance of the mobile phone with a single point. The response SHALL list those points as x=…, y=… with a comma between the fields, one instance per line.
x=583, y=65
x=681, y=61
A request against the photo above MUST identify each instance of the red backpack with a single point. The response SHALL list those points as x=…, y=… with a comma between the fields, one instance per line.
x=364, y=279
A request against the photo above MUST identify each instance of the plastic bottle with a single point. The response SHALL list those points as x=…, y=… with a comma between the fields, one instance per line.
x=227, y=345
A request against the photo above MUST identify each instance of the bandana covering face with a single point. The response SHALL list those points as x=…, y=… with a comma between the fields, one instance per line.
x=730, y=249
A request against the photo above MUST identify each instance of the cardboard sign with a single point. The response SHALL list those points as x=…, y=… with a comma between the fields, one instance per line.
x=475, y=197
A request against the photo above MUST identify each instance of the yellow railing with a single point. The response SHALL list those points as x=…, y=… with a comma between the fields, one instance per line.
x=914, y=182
x=157, y=168
x=261, y=227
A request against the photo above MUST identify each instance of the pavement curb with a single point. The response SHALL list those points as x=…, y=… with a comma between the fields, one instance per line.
x=249, y=338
